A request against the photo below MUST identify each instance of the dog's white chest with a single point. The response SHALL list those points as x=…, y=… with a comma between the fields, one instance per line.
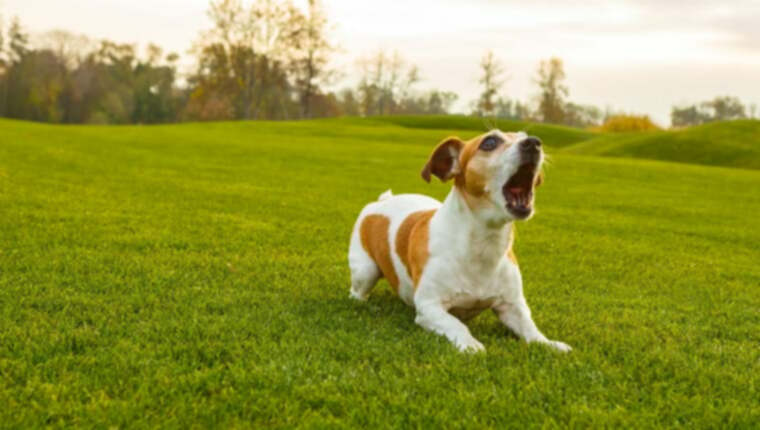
x=477, y=289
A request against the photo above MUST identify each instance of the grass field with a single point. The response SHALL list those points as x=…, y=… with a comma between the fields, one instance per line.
x=731, y=144
x=195, y=275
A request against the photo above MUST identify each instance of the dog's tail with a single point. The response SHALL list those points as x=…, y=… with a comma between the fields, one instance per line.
x=385, y=196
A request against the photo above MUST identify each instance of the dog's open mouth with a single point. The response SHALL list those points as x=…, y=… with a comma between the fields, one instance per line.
x=518, y=191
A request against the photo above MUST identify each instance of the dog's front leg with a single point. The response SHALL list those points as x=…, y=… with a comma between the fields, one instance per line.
x=515, y=314
x=433, y=316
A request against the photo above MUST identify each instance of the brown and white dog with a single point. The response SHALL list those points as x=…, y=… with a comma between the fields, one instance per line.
x=452, y=260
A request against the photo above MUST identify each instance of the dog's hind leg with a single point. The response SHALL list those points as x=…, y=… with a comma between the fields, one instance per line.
x=364, y=270
x=364, y=276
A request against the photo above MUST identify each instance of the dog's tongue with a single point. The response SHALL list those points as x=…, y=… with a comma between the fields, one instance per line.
x=516, y=190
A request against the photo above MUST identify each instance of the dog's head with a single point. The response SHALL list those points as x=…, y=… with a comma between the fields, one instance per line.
x=496, y=172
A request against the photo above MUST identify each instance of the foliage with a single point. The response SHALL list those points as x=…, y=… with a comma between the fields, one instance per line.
x=723, y=108
x=550, y=80
x=491, y=79
x=626, y=123
x=195, y=275
x=576, y=115
x=68, y=79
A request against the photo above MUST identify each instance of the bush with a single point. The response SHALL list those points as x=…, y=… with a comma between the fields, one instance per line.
x=623, y=123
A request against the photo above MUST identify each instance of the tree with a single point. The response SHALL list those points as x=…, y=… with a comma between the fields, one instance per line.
x=491, y=80
x=18, y=41
x=3, y=69
x=686, y=116
x=386, y=81
x=723, y=108
x=241, y=71
x=577, y=115
x=349, y=102
x=312, y=55
x=550, y=79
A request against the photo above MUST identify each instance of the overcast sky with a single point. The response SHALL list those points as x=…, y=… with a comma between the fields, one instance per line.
x=640, y=56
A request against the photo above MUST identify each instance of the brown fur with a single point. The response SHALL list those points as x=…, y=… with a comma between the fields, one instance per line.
x=510, y=248
x=442, y=163
x=374, y=236
x=419, y=239
x=406, y=246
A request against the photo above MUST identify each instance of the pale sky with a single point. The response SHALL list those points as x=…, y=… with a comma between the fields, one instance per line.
x=640, y=56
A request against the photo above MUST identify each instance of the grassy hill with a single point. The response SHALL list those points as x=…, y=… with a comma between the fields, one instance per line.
x=729, y=144
x=195, y=275
x=556, y=136
x=733, y=144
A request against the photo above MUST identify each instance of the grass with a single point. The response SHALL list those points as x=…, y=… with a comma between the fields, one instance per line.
x=195, y=276
x=469, y=126
x=731, y=144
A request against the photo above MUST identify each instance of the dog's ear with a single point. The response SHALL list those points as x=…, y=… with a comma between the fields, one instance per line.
x=444, y=161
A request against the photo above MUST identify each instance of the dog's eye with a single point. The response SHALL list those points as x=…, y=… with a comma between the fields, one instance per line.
x=489, y=143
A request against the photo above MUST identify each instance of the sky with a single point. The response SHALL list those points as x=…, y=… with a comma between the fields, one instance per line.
x=637, y=56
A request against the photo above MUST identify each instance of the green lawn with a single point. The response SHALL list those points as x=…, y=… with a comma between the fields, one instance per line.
x=195, y=276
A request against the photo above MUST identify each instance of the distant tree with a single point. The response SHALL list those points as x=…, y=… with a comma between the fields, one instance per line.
x=725, y=108
x=155, y=97
x=510, y=109
x=70, y=48
x=311, y=56
x=753, y=110
x=4, y=63
x=385, y=81
x=686, y=116
x=722, y=108
x=349, y=102
x=18, y=41
x=440, y=102
x=241, y=62
x=550, y=79
x=491, y=79
x=576, y=115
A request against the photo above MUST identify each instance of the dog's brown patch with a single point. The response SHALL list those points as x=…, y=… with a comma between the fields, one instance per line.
x=374, y=236
x=412, y=243
x=405, y=243
x=510, y=249
x=443, y=160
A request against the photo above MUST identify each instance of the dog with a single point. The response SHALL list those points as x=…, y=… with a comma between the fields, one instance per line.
x=453, y=260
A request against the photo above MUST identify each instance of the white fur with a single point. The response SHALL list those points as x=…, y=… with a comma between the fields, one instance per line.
x=467, y=270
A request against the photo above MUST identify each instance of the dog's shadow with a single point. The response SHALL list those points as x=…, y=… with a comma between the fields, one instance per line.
x=383, y=314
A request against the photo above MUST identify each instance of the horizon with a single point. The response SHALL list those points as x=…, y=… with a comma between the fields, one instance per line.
x=655, y=56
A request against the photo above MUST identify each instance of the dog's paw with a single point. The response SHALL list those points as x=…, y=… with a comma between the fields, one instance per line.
x=470, y=345
x=356, y=296
x=559, y=346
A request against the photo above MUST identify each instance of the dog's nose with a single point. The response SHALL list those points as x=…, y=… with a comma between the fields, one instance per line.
x=531, y=144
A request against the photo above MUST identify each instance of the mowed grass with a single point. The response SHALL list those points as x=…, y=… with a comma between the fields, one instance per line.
x=732, y=144
x=195, y=276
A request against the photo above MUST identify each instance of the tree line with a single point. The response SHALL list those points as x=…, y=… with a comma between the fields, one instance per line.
x=268, y=60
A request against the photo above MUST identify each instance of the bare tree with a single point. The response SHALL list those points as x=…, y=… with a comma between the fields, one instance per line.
x=386, y=81
x=491, y=79
x=69, y=47
x=241, y=59
x=550, y=79
x=312, y=55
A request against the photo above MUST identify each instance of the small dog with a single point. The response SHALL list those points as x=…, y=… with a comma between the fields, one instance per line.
x=452, y=260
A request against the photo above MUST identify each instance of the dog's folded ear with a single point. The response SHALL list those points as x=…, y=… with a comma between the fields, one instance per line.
x=444, y=161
